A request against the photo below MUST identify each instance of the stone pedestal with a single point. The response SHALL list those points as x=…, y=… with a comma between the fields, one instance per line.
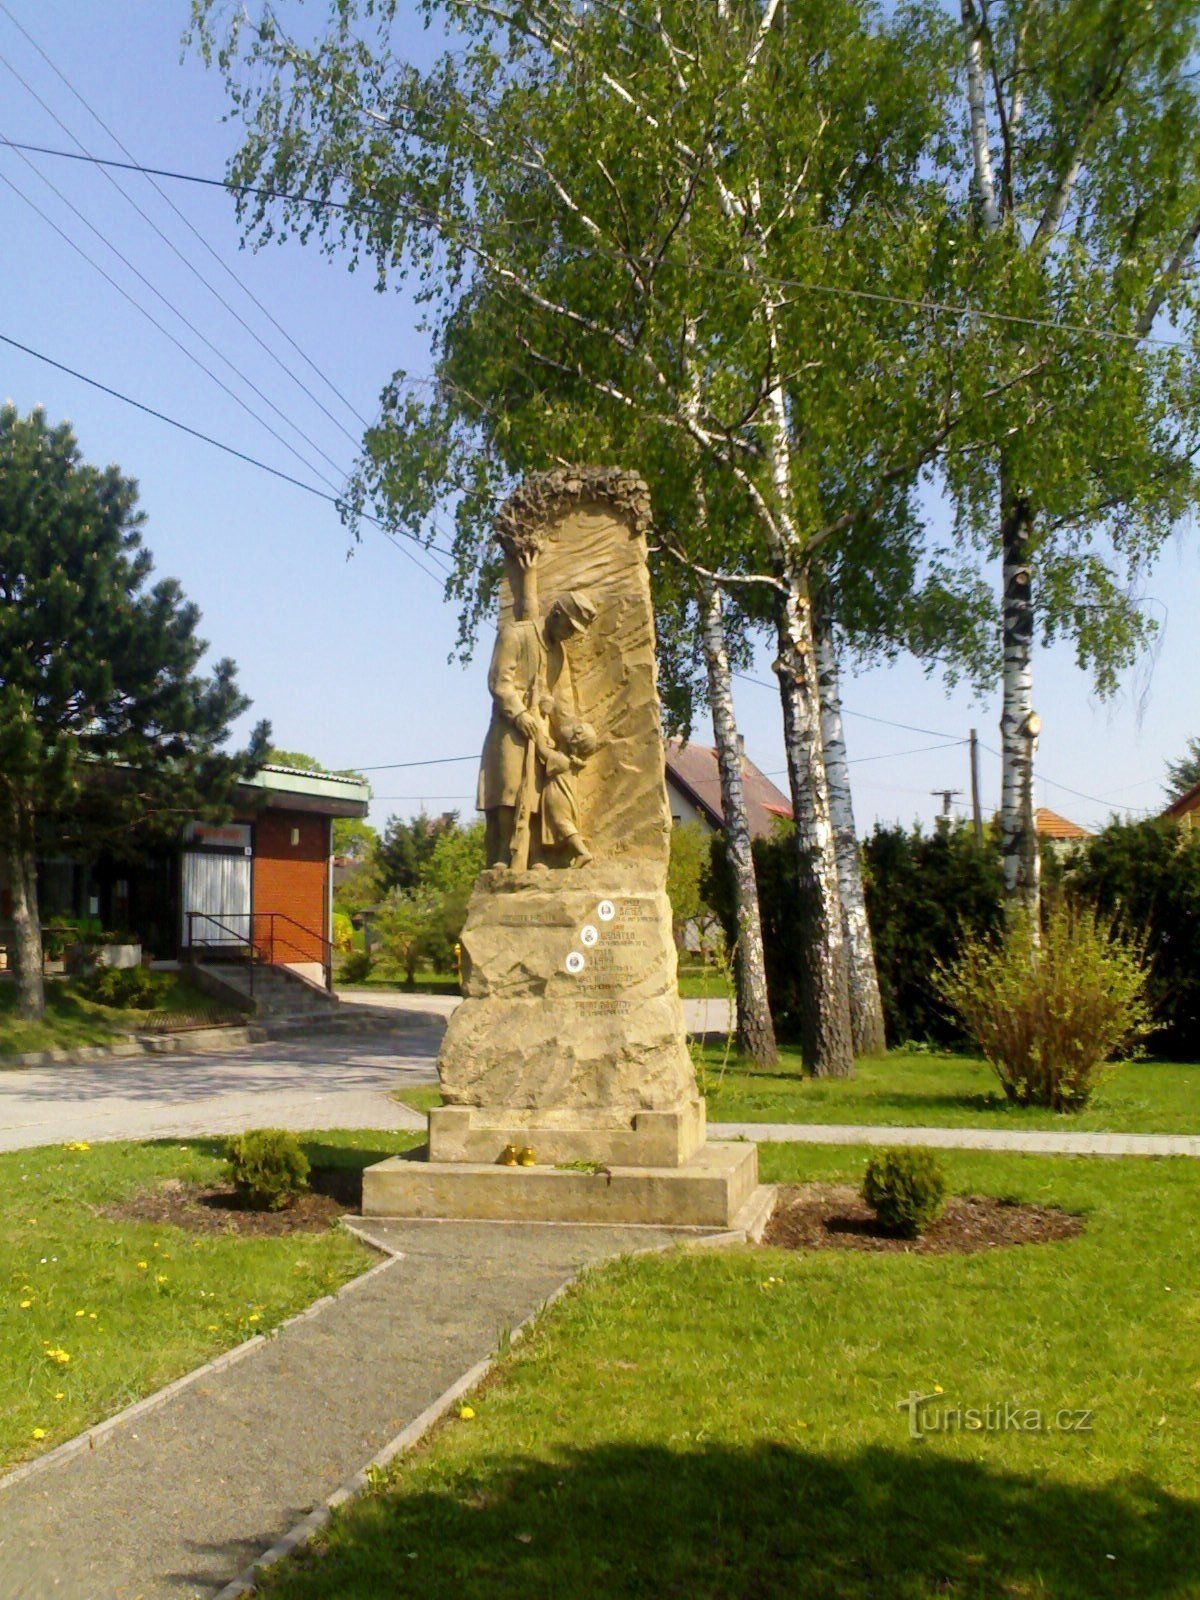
x=570, y=1038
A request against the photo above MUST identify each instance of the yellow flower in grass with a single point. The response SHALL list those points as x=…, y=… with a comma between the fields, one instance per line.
x=160, y=1277
x=81, y=1313
x=467, y=1413
x=60, y=1356
x=39, y=1433
x=142, y=1265
x=59, y=1395
x=25, y=1304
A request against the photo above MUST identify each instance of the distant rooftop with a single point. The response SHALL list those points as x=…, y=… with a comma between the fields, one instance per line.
x=1049, y=825
x=693, y=770
x=1187, y=802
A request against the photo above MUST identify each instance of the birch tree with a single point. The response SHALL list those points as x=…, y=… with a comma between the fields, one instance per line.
x=559, y=152
x=1081, y=123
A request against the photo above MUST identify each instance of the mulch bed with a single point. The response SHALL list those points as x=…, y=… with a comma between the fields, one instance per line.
x=826, y=1216
x=208, y=1208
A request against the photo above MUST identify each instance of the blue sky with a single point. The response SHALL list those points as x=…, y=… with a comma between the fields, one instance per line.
x=348, y=657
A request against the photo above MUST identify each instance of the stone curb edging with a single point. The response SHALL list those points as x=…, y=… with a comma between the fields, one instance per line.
x=196, y=1041
x=228, y=1358
x=1019, y=1141
x=246, y=1583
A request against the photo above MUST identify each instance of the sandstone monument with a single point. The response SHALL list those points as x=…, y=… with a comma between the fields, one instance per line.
x=567, y=1086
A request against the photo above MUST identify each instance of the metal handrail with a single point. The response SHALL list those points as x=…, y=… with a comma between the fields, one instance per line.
x=262, y=946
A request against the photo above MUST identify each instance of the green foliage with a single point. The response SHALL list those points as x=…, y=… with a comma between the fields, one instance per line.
x=356, y=968
x=267, y=1167
x=132, y=988
x=1047, y=1012
x=421, y=925
x=343, y=931
x=926, y=893
x=1147, y=876
x=688, y=875
x=407, y=847
x=1184, y=774
x=905, y=1186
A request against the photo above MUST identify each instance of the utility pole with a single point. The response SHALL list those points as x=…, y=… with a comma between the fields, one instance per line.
x=976, y=812
x=947, y=796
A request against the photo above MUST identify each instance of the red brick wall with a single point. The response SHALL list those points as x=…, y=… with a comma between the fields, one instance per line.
x=290, y=878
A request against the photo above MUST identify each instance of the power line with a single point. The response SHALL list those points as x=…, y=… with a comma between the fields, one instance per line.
x=435, y=761
x=842, y=291
x=149, y=315
x=1041, y=776
x=171, y=306
x=865, y=716
x=207, y=438
x=157, y=187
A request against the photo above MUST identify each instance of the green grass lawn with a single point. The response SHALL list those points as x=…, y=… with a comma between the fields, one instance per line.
x=703, y=983
x=73, y=1021
x=423, y=982
x=912, y=1090
x=134, y=1305
x=726, y=1424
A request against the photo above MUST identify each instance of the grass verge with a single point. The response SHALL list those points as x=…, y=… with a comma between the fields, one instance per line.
x=133, y=1305
x=721, y=1425
x=913, y=1090
x=73, y=1021
x=909, y=1089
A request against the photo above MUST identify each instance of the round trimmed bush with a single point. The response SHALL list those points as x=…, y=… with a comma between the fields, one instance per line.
x=906, y=1188
x=267, y=1168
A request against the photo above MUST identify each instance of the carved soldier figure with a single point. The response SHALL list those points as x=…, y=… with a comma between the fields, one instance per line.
x=529, y=674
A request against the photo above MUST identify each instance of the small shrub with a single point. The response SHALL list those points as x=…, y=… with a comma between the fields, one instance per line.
x=267, y=1168
x=906, y=1188
x=1048, y=1013
x=125, y=988
x=343, y=932
x=356, y=968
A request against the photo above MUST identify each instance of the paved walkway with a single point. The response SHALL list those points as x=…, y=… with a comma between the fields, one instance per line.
x=176, y=1501
x=1061, y=1144
x=311, y=1081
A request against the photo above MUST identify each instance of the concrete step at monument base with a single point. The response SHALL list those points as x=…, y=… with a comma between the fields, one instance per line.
x=272, y=991
x=708, y=1191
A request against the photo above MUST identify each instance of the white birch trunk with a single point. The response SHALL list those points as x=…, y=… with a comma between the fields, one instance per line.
x=1019, y=724
x=827, y=1037
x=756, y=1031
x=866, y=1006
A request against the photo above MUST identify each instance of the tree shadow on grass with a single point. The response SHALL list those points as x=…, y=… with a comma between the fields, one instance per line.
x=771, y=1522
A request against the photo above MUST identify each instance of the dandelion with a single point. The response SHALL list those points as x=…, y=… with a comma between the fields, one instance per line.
x=467, y=1413
x=142, y=1265
x=253, y=1317
x=25, y=1304
x=212, y=1328
x=92, y=1315
x=39, y=1433
x=59, y=1395
x=160, y=1277
x=937, y=1389
x=81, y=1313
x=60, y=1356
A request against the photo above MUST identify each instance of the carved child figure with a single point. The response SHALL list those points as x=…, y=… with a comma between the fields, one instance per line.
x=574, y=743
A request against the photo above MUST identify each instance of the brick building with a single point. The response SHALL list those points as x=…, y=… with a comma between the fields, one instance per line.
x=264, y=878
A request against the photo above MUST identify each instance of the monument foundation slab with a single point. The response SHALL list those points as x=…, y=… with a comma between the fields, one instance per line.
x=710, y=1190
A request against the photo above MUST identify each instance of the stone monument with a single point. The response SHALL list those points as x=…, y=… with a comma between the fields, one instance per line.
x=567, y=1086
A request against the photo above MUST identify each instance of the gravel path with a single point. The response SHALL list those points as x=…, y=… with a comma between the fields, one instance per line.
x=176, y=1501
x=1061, y=1144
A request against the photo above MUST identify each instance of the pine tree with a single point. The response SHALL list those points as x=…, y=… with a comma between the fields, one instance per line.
x=105, y=723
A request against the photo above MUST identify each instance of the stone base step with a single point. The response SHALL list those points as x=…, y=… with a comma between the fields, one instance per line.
x=711, y=1190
